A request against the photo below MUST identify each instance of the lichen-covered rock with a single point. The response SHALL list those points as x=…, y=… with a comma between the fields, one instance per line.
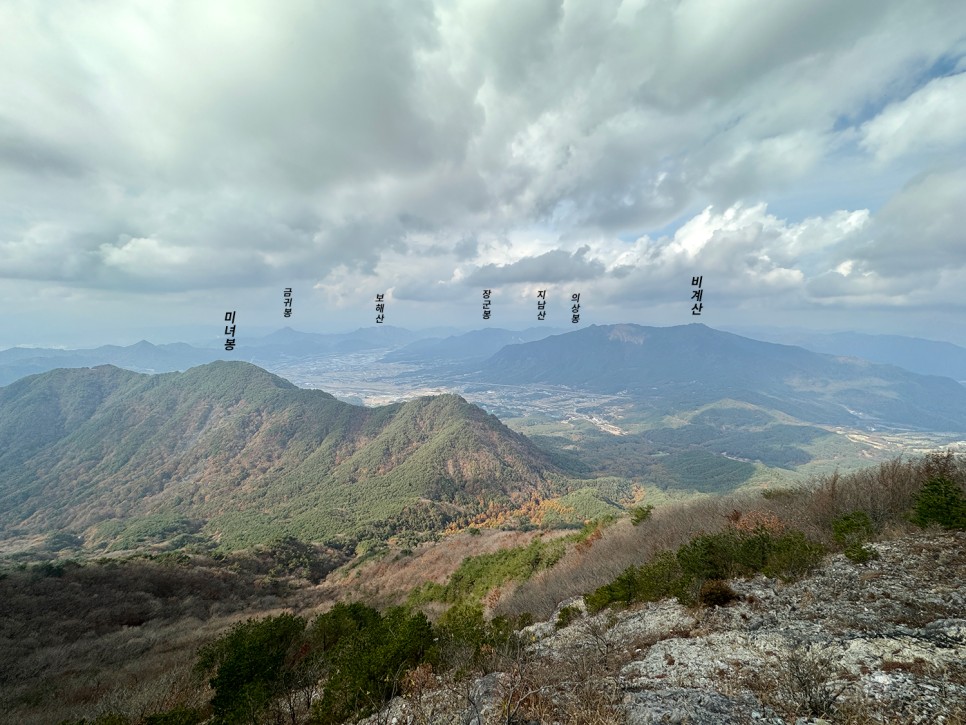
x=689, y=705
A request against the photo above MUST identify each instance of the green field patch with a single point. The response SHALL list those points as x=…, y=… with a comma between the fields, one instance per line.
x=590, y=503
x=706, y=472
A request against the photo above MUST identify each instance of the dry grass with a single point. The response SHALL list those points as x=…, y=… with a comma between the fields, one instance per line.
x=886, y=492
x=388, y=580
x=132, y=672
x=579, y=685
x=583, y=569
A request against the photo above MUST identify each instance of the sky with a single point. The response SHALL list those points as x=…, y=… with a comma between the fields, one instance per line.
x=163, y=162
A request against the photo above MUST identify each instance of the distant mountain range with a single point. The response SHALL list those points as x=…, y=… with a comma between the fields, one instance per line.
x=675, y=369
x=478, y=344
x=245, y=457
x=143, y=356
x=229, y=452
x=439, y=347
x=927, y=357
x=293, y=343
x=18, y=362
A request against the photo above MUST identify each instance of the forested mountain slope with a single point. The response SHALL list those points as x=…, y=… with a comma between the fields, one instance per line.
x=243, y=456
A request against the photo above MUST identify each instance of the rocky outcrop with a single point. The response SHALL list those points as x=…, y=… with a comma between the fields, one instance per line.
x=883, y=641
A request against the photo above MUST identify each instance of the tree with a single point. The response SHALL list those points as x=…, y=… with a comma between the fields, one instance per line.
x=640, y=514
x=253, y=665
x=366, y=656
x=940, y=501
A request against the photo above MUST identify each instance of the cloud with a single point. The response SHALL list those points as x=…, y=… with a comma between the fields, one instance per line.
x=45, y=251
x=554, y=266
x=140, y=256
x=928, y=120
x=424, y=147
x=919, y=229
x=864, y=288
x=23, y=153
x=466, y=248
x=744, y=253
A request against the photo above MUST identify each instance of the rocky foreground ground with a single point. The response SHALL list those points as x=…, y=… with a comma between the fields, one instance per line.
x=880, y=642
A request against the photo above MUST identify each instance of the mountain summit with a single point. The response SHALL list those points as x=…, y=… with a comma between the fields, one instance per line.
x=245, y=454
x=674, y=369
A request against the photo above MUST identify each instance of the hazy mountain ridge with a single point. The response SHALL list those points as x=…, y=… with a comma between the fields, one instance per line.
x=244, y=452
x=288, y=341
x=143, y=356
x=682, y=368
x=18, y=362
x=468, y=346
x=918, y=355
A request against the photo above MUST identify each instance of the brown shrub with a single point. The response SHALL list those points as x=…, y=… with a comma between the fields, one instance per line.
x=620, y=546
x=758, y=519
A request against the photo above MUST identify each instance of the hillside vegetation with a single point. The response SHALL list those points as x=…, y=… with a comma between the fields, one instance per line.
x=834, y=512
x=348, y=661
x=227, y=452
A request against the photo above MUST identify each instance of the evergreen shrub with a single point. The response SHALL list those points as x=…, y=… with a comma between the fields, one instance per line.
x=940, y=501
x=723, y=555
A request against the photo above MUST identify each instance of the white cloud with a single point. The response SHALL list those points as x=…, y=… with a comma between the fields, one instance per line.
x=931, y=119
x=553, y=266
x=142, y=257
